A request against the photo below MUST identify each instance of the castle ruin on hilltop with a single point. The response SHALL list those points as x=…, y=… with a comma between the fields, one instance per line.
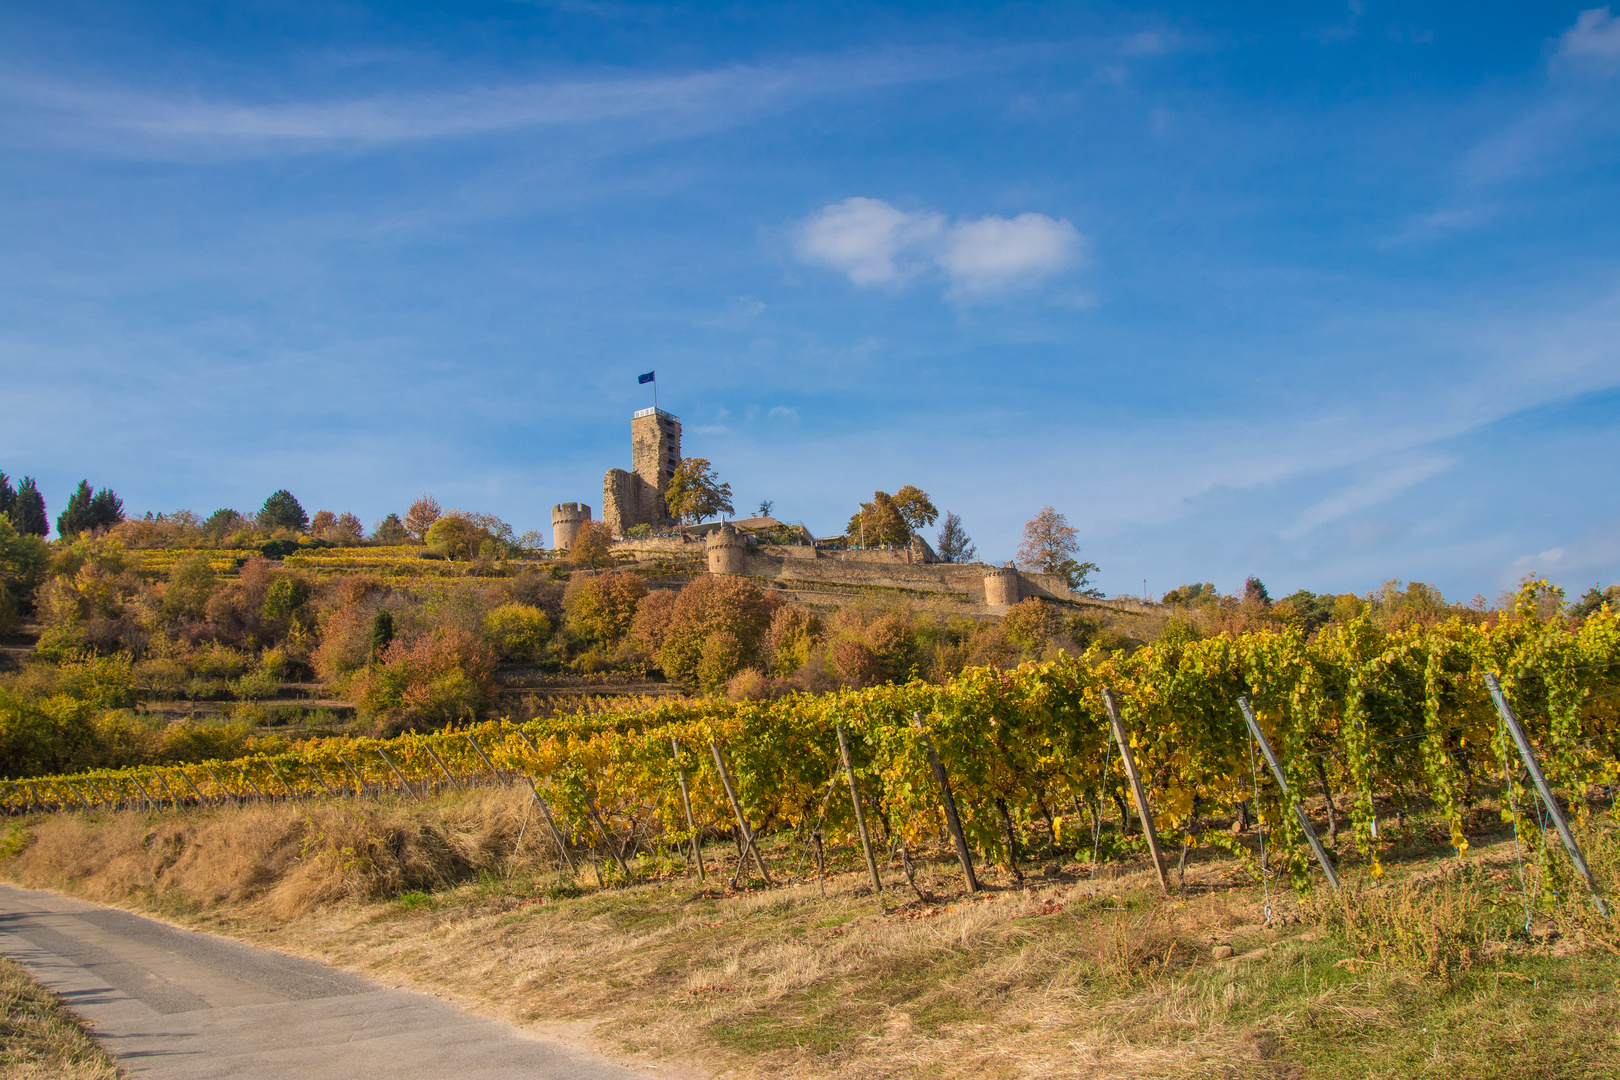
x=783, y=559
x=635, y=497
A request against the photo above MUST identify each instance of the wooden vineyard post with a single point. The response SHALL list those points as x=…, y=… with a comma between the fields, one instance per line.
x=500, y=777
x=360, y=789
x=686, y=804
x=249, y=781
x=1276, y=771
x=429, y=748
x=948, y=801
x=1138, y=793
x=607, y=838
x=556, y=834
x=402, y=781
x=165, y=782
x=200, y=800
x=229, y=794
x=1528, y=755
x=860, y=816
x=151, y=802
x=742, y=822
x=319, y=779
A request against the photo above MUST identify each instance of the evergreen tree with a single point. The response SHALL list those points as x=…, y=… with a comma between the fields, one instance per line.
x=390, y=531
x=89, y=510
x=28, y=509
x=7, y=496
x=955, y=545
x=223, y=522
x=282, y=511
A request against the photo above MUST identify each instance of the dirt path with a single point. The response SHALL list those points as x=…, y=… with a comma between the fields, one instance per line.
x=172, y=1003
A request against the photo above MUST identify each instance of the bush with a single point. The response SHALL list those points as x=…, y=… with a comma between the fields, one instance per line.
x=219, y=661
x=790, y=639
x=1030, y=624
x=255, y=685
x=653, y=616
x=517, y=631
x=709, y=606
x=602, y=608
x=443, y=676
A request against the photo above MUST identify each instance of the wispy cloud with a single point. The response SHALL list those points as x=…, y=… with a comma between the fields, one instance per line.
x=874, y=243
x=724, y=95
x=1384, y=484
x=1595, y=36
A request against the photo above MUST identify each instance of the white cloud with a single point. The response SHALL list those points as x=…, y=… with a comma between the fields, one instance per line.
x=867, y=239
x=995, y=253
x=874, y=243
x=1596, y=34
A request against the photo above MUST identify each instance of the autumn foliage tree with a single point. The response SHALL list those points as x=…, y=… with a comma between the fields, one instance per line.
x=1050, y=546
x=421, y=516
x=889, y=520
x=695, y=492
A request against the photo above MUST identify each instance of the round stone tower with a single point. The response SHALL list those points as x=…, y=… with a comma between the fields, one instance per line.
x=1001, y=585
x=566, y=518
x=726, y=550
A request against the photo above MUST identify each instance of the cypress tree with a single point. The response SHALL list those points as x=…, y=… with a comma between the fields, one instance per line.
x=76, y=518
x=7, y=496
x=28, y=509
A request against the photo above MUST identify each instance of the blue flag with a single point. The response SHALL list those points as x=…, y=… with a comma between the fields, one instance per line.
x=647, y=378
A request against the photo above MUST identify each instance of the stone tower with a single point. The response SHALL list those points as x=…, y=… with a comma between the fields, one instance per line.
x=566, y=518
x=1001, y=585
x=726, y=550
x=637, y=498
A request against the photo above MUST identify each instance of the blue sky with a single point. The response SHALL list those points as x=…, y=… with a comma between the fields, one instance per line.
x=1327, y=293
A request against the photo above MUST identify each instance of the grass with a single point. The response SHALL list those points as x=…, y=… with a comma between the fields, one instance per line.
x=1426, y=972
x=39, y=1038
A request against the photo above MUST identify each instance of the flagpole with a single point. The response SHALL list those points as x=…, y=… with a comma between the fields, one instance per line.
x=655, y=391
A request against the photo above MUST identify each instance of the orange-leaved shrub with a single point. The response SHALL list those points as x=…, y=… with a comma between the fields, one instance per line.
x=444, y=675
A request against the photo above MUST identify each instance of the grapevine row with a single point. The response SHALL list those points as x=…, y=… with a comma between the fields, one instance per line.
x=1375, y=715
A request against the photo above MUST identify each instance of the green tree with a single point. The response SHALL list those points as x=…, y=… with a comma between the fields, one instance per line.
x=382, y=631
x=695, y=492
x=7, y=496
x=914, y=506
x=28, y=509
x=518, y=631
x=90, y=511
x=282, y=511
x=390, y=530
x=191, y=583
x=955, y=545
x=222, y=523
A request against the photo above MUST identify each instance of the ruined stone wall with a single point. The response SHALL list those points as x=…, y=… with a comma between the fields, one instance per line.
x=628, y=501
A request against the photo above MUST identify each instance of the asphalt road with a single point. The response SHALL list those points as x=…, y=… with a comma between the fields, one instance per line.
x=173, y=1004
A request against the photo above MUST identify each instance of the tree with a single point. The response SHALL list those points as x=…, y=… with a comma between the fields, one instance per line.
x=1079, y=576
x=914, y=506
x=955, y=545
x=7, y=496
x=601, y=608
x=222, y=523
x=28, y=509
x=390, y=530
x=879, y=523
x=1254, y=592
x=695, y=492
x=421, y=516
x=282, y=511
x=1049, y=541
x=323, y=520
x=592, y=546
x=765, y=505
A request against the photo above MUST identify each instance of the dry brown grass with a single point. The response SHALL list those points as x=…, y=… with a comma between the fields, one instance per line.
x=1061, y=977
x=39, y=1038
x=276, y=861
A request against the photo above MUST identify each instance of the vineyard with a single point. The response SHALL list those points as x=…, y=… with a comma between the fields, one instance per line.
x=1378, y=721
